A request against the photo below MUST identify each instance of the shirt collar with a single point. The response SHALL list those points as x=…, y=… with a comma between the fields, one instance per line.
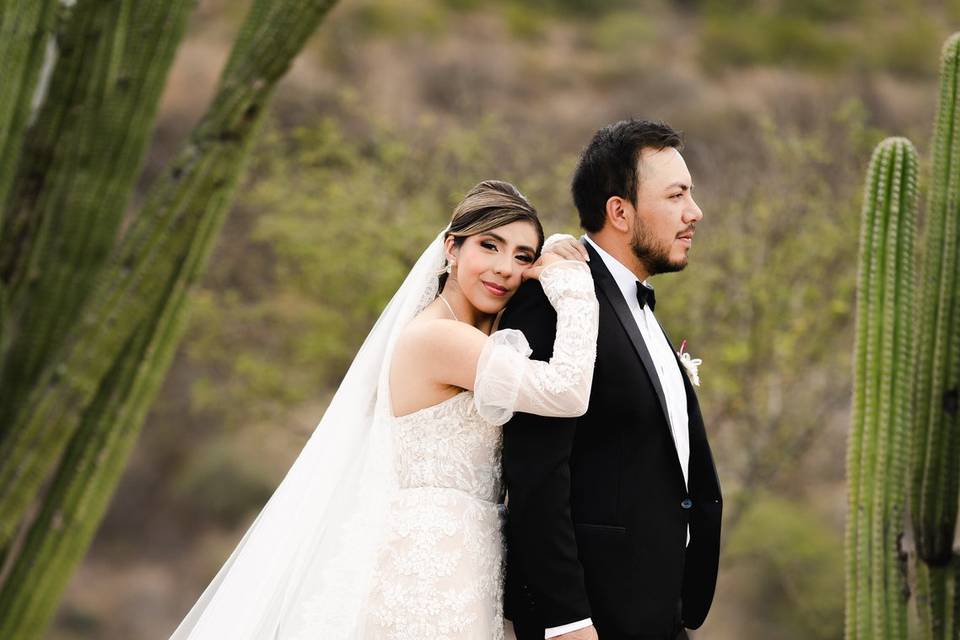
x=625, y=279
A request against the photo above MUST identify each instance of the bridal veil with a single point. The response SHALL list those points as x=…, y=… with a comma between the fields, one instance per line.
x=303, y=568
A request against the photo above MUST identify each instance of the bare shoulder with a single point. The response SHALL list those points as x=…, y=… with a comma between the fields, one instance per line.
x=437, y=351
x=437, y=335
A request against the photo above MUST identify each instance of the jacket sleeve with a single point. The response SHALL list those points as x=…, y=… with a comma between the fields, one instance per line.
x=541, y=544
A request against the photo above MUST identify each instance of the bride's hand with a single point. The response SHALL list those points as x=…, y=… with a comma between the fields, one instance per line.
x=546, y=259
x=567, y=247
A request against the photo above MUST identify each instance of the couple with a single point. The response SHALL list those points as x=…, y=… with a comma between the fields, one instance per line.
x=503, y=364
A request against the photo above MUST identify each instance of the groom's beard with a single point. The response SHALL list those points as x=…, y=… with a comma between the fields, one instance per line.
x=653, y=255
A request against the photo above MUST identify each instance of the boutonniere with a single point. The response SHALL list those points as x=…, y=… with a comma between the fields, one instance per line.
x=690, y=364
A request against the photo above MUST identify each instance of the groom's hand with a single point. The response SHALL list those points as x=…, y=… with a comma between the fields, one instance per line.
x=587, y=633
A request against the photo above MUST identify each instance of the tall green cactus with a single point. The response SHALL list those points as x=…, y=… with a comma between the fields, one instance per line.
x=876, y=581
x=937, y=442
x=24, y=28
x=937, y=600
x=77, y=169
x=88, y=329
x=907, y=363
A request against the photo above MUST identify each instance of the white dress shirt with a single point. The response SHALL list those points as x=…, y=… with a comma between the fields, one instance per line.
x=668, y=371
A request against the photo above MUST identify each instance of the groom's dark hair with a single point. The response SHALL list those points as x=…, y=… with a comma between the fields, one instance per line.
x=608, y=166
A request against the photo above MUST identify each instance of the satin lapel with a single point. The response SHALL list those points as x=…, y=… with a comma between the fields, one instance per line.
x=608, y=286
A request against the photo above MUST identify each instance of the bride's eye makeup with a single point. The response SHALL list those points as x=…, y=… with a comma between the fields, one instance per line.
x=491, y=246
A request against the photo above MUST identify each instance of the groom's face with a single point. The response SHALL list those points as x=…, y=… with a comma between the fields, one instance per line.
x=666, y=213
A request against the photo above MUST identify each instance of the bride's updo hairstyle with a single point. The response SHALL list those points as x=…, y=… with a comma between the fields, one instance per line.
x=488, y=205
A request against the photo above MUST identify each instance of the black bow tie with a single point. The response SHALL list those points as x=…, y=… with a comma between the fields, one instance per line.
x=645, y=296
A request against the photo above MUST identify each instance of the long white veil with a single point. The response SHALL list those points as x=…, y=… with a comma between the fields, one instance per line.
x=303, y=569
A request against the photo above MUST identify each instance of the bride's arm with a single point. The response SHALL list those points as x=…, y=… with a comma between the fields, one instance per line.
x=508, y=381
x=498, y=367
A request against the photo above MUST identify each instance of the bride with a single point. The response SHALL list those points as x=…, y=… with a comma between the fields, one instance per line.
x=388, y=524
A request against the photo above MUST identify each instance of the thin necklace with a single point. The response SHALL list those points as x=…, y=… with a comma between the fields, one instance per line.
x=449, y=307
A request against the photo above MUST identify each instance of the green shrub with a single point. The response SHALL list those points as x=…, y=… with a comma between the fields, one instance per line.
x=221, y=486
x=761, y=39
x=822, y=10
x=910, y=46
x=397, y=18
x=798, y=560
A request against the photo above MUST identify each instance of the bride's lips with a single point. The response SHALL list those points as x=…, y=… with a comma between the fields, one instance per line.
x=495, y=289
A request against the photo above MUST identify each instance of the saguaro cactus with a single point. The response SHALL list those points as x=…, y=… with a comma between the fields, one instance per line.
x=907, y=363
x=878, y=450
x=936, y=442
x=937, y=450
x=24, y=28
x=87, y=329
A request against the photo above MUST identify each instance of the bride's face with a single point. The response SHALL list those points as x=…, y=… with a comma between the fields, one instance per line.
x=488, y=267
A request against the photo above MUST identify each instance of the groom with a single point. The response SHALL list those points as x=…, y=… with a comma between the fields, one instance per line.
x=613, y=522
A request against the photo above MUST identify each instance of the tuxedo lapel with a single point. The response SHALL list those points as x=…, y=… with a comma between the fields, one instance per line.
x=608, y=287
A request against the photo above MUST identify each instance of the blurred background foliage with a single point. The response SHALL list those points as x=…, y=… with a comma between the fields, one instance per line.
x=394, y=110
x=798, y=592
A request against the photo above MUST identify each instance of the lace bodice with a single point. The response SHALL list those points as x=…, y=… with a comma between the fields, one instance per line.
x=440, y=575
x=448, y=445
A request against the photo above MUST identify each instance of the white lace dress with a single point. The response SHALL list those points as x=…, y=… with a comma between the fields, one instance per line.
x=439, y=573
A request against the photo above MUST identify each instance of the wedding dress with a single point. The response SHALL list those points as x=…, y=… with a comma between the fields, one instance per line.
x=440, y=570
x=389, y=527
x=439, y=573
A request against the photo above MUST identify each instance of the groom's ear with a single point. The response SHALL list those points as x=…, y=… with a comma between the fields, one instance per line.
x=618, y=213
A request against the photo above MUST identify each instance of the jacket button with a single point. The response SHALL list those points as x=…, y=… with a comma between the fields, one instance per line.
x=687, y=503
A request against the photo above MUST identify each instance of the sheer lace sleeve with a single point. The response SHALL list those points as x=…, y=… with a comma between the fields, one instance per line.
x=508, y=380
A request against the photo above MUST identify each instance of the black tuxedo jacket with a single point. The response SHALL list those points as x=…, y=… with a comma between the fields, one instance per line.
x=597, y=509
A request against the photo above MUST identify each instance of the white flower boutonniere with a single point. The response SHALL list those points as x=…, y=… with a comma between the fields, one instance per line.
x=691, y=365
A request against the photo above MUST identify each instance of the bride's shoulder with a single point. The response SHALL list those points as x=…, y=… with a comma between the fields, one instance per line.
x=431, y=334
x=436, y=349
x=435, y=332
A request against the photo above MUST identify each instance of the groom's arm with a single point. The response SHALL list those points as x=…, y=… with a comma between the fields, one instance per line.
x=536, y=456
